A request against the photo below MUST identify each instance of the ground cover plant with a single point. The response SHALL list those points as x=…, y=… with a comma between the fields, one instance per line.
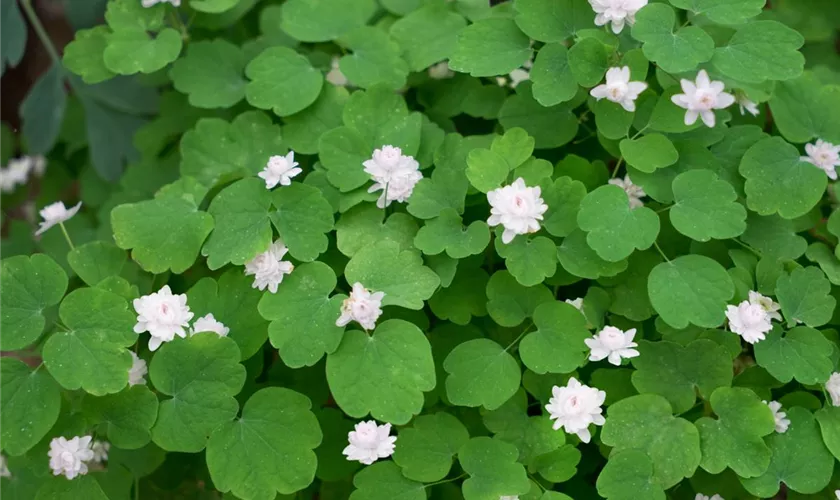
x=410, y=249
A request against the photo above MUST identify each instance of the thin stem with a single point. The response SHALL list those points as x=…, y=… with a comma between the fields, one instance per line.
x=617, y=166
x=664, y=209
x=136, y=488
x=446, y=480
x=527, y=327
x=536, y=482
x=41, y=32
x=66, y=236
x=37, y=368
x=655, y=244
x=751, y=249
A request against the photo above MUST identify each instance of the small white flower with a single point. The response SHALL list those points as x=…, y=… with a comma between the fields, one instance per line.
x=771, y=308
x=163, y=315
x=441, y=71
x=701, y=496
x=634, y=193
x=619, y=88
x=56, y=213
x=4, y=467
x=208, y=323
x=152, y=3
x=575, y=407
x=701, y=97
x=747, y=106
x=517, y=207
x=833, y=388
x=617, y=12
x=394, y=173
x=138, y=370
x=613, y=344
x=100, y=451
x=577, y=303
x=39, y=165
x=268, y=268
x=18, y=171
x=837, y=494
x=362, y=307
x=750, y=321
x=369, y=442
x=69, y=457
x=782, y=423
x=825, y=156
x=335, y=76
x=280, y=170
x=518, y=76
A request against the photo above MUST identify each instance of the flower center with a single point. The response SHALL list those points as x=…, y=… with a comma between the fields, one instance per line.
x=572, y=405
x=617, y=91
x=612, y=340
x=67, y=457
x=705, y=100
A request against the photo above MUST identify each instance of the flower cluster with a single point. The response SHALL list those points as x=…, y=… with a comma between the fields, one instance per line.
x=751, y=318
x=393, y=173
x=165, y=316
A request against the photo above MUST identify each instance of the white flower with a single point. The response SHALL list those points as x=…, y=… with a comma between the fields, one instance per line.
x=782, y=423
x=701, y=98
x=575, y=407
x=701, y=496
x=56, y=213
x=69, y=457
x=517, y=208
x=269, y=268
x=280, y=170
x=518, y=76
x=619, y=88
x=163, y=315
x=634, y=193
x=837, y=494
x=18, y=171
x=617, y=12
x=138, y=370
x=746, y=105
x=750, y=321
x=613, y=344
x=824, y=155
x=362, y=307
x=369, y=442
x=209, y=324
x=4, y=467
x=766, y=303
x=100, y=451
x=833, y=388
x=335, y=76
x=152, y=3
x=440, y=71
x=577, y=303
x=39, y=164
x=394, y=173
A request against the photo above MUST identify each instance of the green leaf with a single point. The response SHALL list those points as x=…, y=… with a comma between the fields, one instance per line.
x=778, y=181
x=134, y=50
x=91, y=354
x=14, y=34
x=283, y=81
x=558, y=344
x=489, y=47
x=126, y=417
x=761, y=50
x=302, y=304
x=705, y=207
x=31, y=284
x=213, y=6
x=805, y=296
x=829, y=420
x=735, y=439
x=553, y=80
x=493, y=470
x=510, y=302
x=42, y=111
x=215, y=149
x=29, y=405
x=375, y=59
x=588, y=61
x=383, y=481
x=56, y=488
x=802, y=445
x=673, y=51
x=613, y=229
x=530, y=261
x=324, y=20
x=383, y=267
x=481, y=373
x=384, y=374
x=232, y=300
x=678, y=373
x=691, y=289
x=563, y=198
x=629, y=290
x=445, y=189
x=127, y=14
x=302, y=131
x=821, y=254
x=580, y=260
x=211, y=74
x=427, y=35
x=774, y=237
x=97, y=260
x=486, y=170
x=802, y=109
x=553, y=21
x=447, y=233
x=646, y=423
x=802, y=354
x=551, y=127
x=428, y=446
x=723, y=11
x=628, y=475
x=515, y=146
x=363, y=225
x=302, y=216
x=268, y=449
x=201, y=374
x=463, y=298
x=649, y=153
x=162, y=234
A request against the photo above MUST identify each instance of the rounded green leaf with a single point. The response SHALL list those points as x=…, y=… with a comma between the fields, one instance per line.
x=211, y=74
x=126, y=417
x=384, y=374
x=375, y=59
x=59, y=488
x=614, y=230
x=493, y=469
x=674, y=51
x=363, y=225
x=510, y=302
x=283, y=81
x=324, y=20
x=558, y=344
x=84, y=55
x=303, y=304
x=723, y=11
x=447, y=233
x=802, y=354
x=588, y=61
x=761, y=50
x=268, y=449
x=481, y=373
x=134, y=50
x=529, y=260
x=553, y=80
x=628, y=475
x=705, y=207
x=805, y=297
x=96, y=261
x=563, y=198
x=486, y=169
x=29, y=405
x=30, y=285
x=829, y=420
x=213, y=6
x=427, y=35
x=649, y=153
x=302, y=131
x=553, y=20
x=463, y=298
x=428, y=446
x=302, y=216
x=691, y=289
x=489, y=47
x=579, y=259
x=383, y=481
x=803, y=109
x=551, y=127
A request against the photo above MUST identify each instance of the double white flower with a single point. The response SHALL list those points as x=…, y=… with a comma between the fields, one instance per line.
x=208, y=323
x=634, y=193
x=362, y=306
x=268, y=268
x=163, y=315
x=138, y=370
x=280, y=170
x=824, y=155
x=701, y=97
x=613, y=344
x=517, y=207
x=56, y=213
x=70, y=457
x=751, y=318
x=576, y=406
x=394, y=173
x=782, y=422
x=616, y=12
x=832, y=385
x=369, y=442
x=619, y=89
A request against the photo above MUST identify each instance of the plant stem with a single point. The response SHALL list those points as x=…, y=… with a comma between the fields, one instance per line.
x=527, y=327
x=41, y=32
x=617, y=166
x=751, y=249
x=66, y=236
x=655, y=244
x=445, y=480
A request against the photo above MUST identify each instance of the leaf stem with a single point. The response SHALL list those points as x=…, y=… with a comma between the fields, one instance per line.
x=748, y=247
x=41, y=32
x=655, y=244
x=66, y=236
x=617, y=166
x=527, y=327
x=445, y=480
x=664, y=209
